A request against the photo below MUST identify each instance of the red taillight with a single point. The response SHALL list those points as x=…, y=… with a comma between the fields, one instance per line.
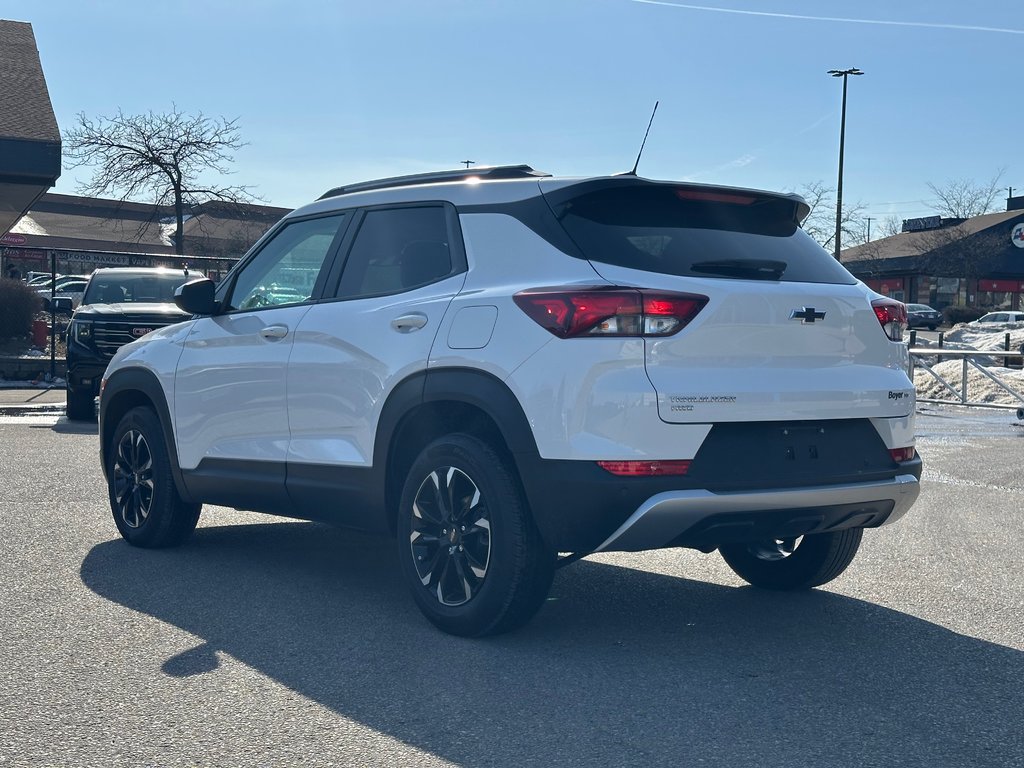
x=900, y=455
x=714, y=197
x=892, y=315
x=573, y=312
x=645, y=468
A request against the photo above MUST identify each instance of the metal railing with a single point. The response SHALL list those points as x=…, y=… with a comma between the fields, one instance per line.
x=967, y=358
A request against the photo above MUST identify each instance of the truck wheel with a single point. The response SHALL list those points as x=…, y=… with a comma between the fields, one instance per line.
x=468, y=547
x=802, y=563
x=81, y=406
x=147, y=509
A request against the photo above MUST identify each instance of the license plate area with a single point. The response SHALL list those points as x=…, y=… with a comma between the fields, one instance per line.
x=788, y=454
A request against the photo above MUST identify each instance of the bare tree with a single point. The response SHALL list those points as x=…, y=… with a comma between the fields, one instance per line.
x=821, y=221
x=890, y=225
x=954, y=251
x=963, y=198
x=871, y=257
x=160, y=157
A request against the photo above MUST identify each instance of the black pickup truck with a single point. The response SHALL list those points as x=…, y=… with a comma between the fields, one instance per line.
x=120, y=304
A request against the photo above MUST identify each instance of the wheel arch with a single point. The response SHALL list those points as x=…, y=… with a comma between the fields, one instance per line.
x=437, y=402
x=131, y=388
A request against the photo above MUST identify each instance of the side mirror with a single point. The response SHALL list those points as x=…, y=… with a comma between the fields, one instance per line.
x=63, y=305
x=196, y=297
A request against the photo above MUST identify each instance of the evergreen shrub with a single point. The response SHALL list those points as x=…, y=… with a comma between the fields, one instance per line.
x=18, y=305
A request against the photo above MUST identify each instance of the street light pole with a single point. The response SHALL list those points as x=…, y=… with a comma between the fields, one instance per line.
x=843, y=73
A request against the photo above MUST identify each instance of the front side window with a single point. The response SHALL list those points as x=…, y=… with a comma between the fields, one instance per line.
x=286, y=268
x=396, y=250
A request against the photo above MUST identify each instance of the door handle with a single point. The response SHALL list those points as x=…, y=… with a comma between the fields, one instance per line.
x=409, y=323
x=274, y=332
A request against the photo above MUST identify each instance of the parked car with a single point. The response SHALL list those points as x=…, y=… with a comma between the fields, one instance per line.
x=496, y=366
x=923, y=316
x=71, y=287
x=61, y=281
x=1002, y=317
x=120, y=304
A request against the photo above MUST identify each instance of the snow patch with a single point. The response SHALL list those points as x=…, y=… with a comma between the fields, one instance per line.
x=980, y=388
x=28, y=226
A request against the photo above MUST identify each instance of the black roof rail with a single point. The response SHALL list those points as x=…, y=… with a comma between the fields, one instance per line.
x=488, y=173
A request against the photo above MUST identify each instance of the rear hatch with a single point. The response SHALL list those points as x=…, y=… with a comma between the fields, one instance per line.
x=786, y=334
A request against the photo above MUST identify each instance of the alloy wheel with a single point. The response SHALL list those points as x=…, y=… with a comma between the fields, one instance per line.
x=774, y=549
x=133, y=478
x=450, y=536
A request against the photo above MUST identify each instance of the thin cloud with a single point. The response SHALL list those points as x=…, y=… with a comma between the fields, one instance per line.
x=816, y=123
x=740, y=162
x=880, y=22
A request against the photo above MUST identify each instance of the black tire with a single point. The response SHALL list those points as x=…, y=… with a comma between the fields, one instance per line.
x=81, y=406
x=816, y=560
x=147, y=509
x=932, y=327
x=489, y=571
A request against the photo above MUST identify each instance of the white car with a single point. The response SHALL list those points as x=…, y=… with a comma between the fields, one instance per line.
x=65, y=286
x=508, y=371
x=1003, y=317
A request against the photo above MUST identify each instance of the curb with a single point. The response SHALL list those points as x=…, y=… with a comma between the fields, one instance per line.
x=7, y=408
x=18, y=368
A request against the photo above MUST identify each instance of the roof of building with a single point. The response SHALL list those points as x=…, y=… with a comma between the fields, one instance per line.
x=87, y=223
x=984, y=239
x=29, y=136
x=25, y=110
x=915, y=243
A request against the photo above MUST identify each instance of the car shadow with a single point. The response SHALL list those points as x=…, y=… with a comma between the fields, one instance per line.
x=620, y=667
x=67, y=427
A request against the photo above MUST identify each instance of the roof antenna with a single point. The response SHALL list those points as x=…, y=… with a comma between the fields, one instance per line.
x=638, y=154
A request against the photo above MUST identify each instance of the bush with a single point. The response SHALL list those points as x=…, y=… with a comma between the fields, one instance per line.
x=956, y=315
x=18, y=304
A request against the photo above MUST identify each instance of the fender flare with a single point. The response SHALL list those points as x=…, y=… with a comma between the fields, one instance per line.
x=462, y=385
x=468, y=386
x=140, y=381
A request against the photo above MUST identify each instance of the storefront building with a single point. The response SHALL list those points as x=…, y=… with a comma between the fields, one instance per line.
x=75, y=235
x=976, y=262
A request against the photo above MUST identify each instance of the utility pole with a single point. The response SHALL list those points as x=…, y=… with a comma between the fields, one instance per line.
x=468, y=162
x=869, y=228
x=843, y=73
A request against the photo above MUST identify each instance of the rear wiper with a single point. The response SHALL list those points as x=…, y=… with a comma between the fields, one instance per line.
x=750, y=269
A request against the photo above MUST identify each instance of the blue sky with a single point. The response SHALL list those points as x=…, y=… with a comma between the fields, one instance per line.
x=334, y=92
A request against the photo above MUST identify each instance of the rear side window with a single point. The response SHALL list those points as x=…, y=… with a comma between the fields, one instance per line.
x=689, y=232
x=396, y=250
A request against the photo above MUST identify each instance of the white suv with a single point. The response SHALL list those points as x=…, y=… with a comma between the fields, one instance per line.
x=509, y=371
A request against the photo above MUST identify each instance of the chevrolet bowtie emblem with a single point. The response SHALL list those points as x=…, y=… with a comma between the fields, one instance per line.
x=806, y=315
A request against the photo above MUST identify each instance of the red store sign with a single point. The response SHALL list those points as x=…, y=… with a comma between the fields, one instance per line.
x=12, y=238
x=1000, y=286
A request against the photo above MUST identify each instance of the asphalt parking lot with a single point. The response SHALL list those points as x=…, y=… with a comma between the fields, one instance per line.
x=269, y=642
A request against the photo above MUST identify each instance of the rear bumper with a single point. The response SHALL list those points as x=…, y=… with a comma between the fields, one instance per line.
x=704, y=520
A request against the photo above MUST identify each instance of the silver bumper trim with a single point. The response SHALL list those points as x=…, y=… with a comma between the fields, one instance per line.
x=666, y=516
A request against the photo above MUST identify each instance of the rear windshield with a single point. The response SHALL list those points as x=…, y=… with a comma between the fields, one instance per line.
x=684, y=231
x=150, y=289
